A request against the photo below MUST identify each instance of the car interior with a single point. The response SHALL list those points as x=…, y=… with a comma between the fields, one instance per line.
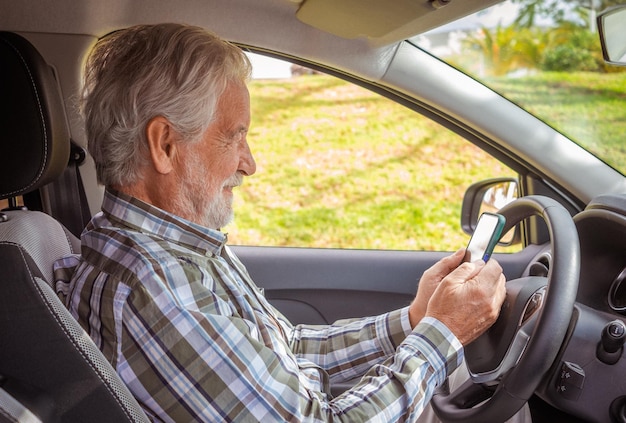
x=558, y=345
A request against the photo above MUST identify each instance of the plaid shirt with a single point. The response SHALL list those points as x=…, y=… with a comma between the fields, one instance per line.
x=193, y=337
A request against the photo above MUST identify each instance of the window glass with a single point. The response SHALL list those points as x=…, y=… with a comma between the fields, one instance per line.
x=4, y=204
x=546, y=57
x=341, y=167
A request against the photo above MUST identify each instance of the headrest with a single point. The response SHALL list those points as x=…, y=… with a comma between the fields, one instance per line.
x=34, y=137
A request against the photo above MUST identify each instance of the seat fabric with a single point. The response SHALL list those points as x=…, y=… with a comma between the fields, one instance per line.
x=50, y=370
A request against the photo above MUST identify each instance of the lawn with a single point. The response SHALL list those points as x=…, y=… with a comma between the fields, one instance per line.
x=340, y=167
x=588, y=107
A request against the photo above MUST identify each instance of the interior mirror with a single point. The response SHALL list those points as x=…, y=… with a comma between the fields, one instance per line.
x=612, y=30
x=488, y=196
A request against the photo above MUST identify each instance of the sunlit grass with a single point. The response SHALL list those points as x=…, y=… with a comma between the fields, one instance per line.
x=338, y=166
x=588, y=107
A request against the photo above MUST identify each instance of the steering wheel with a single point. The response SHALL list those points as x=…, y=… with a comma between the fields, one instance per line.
x=507, y=362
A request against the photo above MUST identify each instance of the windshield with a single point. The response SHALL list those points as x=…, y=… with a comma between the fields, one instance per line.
x=546, y=57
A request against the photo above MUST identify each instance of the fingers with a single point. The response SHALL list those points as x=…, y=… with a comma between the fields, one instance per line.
x=429, y=282
x=443, y=267
x=490, y=283
x=453, y=261
x=465, y=271
x=469, y=299
x=491, y=270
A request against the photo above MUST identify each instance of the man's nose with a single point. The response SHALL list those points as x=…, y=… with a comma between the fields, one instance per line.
x=247, y=164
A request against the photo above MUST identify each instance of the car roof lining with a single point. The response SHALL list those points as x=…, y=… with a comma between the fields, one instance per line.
x=380, y=23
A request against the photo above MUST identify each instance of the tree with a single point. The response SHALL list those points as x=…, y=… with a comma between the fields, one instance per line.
x=571, y=48
x=559, y=11
x=506, y=49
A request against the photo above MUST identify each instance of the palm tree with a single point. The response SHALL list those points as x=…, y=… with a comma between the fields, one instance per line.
x=506, y=49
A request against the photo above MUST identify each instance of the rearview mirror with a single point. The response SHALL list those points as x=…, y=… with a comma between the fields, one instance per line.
x=612, y=30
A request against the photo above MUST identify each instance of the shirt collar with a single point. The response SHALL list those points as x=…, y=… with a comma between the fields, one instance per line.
x=132, y=213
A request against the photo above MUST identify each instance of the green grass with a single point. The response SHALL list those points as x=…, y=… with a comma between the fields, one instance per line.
x=340, y=167
x=588, y=107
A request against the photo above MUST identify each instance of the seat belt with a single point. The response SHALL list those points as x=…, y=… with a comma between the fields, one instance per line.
x=66, y=195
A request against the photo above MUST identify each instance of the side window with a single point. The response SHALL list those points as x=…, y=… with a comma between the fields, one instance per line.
x=6, y=204
x=339, y=166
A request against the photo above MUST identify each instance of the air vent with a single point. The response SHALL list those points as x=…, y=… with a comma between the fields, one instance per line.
x=541, y=266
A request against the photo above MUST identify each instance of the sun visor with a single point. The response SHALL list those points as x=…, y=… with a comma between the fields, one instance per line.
x=384, y=21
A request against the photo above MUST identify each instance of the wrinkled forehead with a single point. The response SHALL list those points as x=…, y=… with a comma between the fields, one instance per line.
x=234, y=104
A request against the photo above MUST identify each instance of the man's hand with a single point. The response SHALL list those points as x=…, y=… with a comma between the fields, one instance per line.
x=429, y=281
x=468, y=300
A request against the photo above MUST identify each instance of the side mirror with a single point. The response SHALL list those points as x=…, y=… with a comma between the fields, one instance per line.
x=612, y=30
x=489, y=195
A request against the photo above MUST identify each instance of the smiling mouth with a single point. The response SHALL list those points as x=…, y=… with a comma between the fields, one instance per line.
x=233, y=182
x=229, y=188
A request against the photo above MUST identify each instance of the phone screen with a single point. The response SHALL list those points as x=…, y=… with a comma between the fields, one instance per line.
x=485, y=237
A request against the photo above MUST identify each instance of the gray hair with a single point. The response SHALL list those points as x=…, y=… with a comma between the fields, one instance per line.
x=135, y=74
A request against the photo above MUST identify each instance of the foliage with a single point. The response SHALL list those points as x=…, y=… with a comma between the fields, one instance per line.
x=505, y=49
x=568, y=57
x=560, y=11
x=572, y=48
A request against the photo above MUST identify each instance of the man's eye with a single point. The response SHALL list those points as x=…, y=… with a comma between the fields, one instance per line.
x=239, y=135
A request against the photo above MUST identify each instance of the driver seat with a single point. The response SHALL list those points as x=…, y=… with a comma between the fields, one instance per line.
x=50, y=370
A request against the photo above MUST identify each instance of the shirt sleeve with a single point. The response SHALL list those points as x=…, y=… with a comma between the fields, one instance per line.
x=188, y=365
x=406, y=381
x=348, y=348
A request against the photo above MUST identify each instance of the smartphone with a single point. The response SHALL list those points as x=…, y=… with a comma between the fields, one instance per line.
x=485, y=237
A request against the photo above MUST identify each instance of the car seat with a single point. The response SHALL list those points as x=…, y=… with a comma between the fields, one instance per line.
x=49, y=368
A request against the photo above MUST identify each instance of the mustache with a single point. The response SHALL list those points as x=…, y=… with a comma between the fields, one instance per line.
x=235, y=180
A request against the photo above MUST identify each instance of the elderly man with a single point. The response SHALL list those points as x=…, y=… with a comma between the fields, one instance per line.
x=167, y=113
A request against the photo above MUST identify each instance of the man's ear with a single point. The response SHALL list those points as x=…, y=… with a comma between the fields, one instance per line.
x=162, y=143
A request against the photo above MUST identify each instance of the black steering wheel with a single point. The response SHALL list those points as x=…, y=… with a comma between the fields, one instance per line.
x=507, y=362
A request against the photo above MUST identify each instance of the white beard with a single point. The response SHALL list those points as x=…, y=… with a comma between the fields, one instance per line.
x=207, y=206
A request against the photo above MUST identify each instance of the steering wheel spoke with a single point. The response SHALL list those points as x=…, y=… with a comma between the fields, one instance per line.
x=492, y=355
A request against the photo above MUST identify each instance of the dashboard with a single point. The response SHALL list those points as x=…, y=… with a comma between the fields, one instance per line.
x=588, y=378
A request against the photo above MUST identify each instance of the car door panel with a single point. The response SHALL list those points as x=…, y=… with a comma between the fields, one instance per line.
x=320, y=286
